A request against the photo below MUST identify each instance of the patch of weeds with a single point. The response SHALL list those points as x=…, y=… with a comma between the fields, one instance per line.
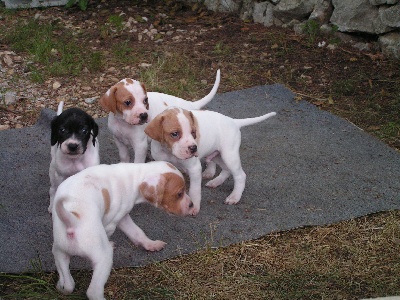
x=123, y=52
x=95, y=61
x=311, y=29
x=57, y=55
x=116, y=21
x=222, y=49
x=390, y=130
x=343, y=87
x=82, y=4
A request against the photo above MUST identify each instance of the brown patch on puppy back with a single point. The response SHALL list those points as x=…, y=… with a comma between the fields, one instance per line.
x=107, y=200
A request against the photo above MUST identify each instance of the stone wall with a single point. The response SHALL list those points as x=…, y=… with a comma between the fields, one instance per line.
x=377, y=19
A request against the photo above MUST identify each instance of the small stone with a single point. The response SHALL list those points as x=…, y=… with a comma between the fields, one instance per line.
x=91, y=100
x=10, y=98
x=4, y=127
x=56, y=85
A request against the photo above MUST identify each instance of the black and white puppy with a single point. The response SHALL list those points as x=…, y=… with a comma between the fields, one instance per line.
x=73, y=145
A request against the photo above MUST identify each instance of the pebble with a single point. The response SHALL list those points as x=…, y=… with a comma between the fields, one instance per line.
x=91, y=100
x=10, y=98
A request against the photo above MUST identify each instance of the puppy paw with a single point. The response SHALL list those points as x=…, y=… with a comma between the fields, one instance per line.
x=207, y=174
x=154, y=245
x=214, y=183
x=65, y=288
x=232, y=199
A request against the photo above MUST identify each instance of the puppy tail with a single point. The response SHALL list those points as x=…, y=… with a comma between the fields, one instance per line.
x=60, y=108
x=203, y=101
x=251, y=121
x=68, y=218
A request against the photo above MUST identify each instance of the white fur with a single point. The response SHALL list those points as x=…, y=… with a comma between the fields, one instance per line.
x=82, y=223
x=219, y=141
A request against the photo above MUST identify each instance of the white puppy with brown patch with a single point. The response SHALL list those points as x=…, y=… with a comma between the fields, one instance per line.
x=130, y=107
x=90, y=205
x=184, y=137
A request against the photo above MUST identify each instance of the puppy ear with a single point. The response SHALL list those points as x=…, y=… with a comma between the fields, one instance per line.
x=108, y=101
x=195, y=124
x=95, y=129
x=152, y=189
x=154, y=129
x=54, y=131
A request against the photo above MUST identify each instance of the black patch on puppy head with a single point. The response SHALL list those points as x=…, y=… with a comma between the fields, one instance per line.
x=73, y=121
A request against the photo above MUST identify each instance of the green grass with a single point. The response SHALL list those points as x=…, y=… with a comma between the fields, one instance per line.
x=53, y=54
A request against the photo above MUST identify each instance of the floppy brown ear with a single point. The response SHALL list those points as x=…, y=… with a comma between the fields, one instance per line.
x=154, y=128
x=152, y=189
x=108, y=101
x=196, y=125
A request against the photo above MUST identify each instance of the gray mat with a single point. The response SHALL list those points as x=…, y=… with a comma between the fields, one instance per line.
x=304, y=167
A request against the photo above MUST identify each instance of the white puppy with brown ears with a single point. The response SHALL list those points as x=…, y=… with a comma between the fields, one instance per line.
x=90, y=205
x=130, y=107
x=74, y=146
x=184, y=137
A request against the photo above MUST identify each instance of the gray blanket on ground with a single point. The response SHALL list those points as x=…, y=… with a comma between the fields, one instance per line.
x=304, y=167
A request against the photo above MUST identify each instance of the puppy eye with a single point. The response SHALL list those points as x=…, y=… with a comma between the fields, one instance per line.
x=180, y=195
x=62, y=130
x=128, y=102
x=145, y=101
x=175, y=134
x=84, y=130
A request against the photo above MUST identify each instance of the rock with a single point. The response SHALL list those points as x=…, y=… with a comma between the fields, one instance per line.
x=390, y=16
x=56, y=85
x=322, y=11
x=8, y=60
x=4, y=127
x=287, y=10
x=91, y=100
x=10, y=98
x=263, y=13
x=357, y=16
x=390, y=44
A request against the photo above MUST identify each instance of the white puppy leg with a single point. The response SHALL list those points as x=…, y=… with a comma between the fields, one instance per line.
x=140, y=150
x=65, y=283
x=230, y=163
x=210, y=170
x=137, y=236
x=123, y=151
x=220, y=179
x=194, y=173
x=102, y=264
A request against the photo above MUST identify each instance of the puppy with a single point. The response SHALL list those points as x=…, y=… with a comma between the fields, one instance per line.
x=184, y=137
x=91, y=204
x=130, y=107
x=73, y=145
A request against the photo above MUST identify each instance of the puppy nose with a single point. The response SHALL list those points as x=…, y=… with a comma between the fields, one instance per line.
x=143, y=116
x=72, y=147
x=193, y=149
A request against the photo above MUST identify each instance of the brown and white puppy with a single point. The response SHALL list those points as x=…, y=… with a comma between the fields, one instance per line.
x=184, y=137
x=74, y=146
x=90, y=205
x=131, y=107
